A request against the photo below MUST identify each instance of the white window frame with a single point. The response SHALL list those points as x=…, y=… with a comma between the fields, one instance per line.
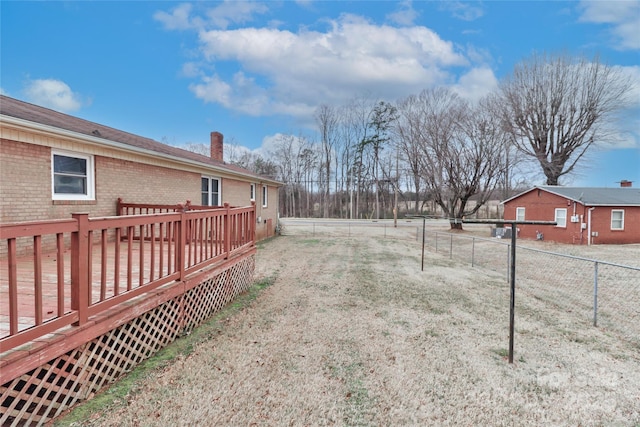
x=562, y=223
x=265, y=193
x=621, y=219
x=253, y=192
x=90, y=177
x=520, y=212
x=209, y=192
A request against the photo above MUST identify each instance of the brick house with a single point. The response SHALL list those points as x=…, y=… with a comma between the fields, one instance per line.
x=53, y=164
x=585, y=215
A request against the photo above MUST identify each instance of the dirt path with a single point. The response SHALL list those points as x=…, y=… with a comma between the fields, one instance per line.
x=353, y=333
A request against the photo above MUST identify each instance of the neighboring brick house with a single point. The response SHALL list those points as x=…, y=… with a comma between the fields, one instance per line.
x=585, y=215
x=53, y=164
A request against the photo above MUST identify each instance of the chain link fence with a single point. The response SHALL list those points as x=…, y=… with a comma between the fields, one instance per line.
x=580, y=290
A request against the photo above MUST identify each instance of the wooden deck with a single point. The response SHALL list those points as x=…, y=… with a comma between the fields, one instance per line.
x=59, y=273
x=27, y=289
x=84, y=299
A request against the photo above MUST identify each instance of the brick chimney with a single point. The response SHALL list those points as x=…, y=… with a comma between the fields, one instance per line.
x=217, y=146
x=625, y=183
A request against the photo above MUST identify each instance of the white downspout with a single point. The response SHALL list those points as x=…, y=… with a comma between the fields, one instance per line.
x=589, y=226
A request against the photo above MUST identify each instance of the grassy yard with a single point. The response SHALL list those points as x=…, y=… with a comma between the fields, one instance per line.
x=341, y=331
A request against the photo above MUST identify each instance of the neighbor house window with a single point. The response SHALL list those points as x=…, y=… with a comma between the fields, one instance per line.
x=253, y=193
x=210, y=191
x=617, y=219
x=519, y=214
x=72, y=176
x=264, y=196
x=561, y=217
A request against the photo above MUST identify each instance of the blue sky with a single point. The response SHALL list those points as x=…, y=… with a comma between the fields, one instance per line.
x=175, y=71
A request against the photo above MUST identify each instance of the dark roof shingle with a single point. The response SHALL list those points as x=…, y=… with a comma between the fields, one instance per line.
x=34, y=113
x=592, y=196
x=598, y=196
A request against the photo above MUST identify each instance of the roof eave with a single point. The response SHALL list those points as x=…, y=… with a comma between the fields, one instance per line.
x=27, y=125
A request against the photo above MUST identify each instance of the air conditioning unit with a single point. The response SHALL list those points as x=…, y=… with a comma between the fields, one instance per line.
x=575, y=218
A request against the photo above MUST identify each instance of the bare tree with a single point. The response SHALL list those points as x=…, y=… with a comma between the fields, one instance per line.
x=382, y=119
x=327, y=121
x=283, y=156
x=557, y=106
x=460, y=151
x=408, y=132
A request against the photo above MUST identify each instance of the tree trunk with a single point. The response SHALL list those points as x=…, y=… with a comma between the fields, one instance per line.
x=456, y=225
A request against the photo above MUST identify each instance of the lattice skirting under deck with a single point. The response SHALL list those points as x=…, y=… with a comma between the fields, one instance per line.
x=44, y=393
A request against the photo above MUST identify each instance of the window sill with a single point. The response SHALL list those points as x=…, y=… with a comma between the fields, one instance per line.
x=74, y=202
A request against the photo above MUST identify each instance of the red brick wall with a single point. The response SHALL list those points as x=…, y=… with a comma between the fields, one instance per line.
x=140, y=183
x=540, y=205
x=25, y=182
x=601, y=222
x=236, y=193
x=25, y=193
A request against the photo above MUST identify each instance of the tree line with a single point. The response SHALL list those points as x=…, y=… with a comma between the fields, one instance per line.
x=437, y=151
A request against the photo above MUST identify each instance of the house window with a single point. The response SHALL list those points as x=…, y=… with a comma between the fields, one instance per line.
x=617, y=219
x=561, y=217
x=210, y=191
x=264, y=196
x=72, y=176
x=519, y=214
x=253, y=193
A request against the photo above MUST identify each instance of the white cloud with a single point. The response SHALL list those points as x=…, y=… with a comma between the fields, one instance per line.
x=179, y=18
x=191, y=70
x=286, y=72
x=633, y=74
x=406, y=15
x=221, y=16
x=475, y=84
x=3, y=92
x=274, y=143
x=53, y=94
x=213, y=89
x=469, y=11
x=623, y=16
x=627, y=129
x=235, y=12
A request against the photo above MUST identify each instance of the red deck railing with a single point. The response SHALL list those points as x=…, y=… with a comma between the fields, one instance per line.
x=98, y=263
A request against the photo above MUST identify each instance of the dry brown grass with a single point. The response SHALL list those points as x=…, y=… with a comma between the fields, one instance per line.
x=353, y=333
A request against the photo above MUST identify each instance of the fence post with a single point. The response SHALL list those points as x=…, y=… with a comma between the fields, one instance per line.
x=423, y=241
x=450, y=246
x=80, y=267
x=436, y=242
x=473, y=249
x=227, y=230
x=508, y=263
x=595, y=293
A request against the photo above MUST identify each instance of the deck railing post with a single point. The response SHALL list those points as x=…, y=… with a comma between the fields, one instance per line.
x=80, y=267
x=227, y=230
x=252, y=221
x=182, y=244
